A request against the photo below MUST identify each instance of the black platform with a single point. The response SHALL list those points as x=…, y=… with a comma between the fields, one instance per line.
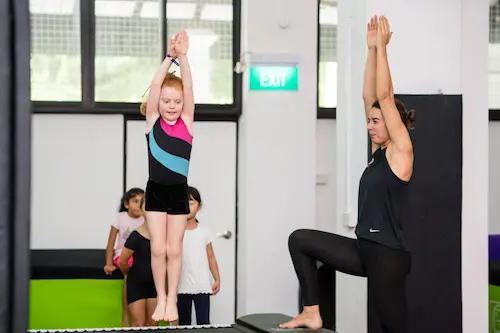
x=255, y=323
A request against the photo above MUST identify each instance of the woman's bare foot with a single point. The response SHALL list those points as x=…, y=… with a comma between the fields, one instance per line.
x=159, y=312
x=171, y=313
x=309, y=318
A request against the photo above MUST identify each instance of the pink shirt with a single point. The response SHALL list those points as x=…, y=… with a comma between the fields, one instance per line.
x=125, y=225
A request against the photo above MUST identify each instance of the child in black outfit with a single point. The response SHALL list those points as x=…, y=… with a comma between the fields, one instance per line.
x=141, y=291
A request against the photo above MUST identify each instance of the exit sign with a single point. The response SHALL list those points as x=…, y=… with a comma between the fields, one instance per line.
x=274, y=78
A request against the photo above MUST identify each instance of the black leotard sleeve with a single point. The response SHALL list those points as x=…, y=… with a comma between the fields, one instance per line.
x=141, y=266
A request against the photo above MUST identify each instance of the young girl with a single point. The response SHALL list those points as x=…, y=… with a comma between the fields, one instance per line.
x=141, y=292
x=169, y=115
x=198, y=262
x=128, y=219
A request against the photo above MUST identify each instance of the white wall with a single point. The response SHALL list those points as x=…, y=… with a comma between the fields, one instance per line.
x=77, y=176
x=277, y=162
x=326, y=168
x=474, y=20
x=77, y=180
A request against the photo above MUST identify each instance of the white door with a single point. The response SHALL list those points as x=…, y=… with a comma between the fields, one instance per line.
x=213, y=172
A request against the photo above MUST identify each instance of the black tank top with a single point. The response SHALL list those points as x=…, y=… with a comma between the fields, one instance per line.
x=382, y=200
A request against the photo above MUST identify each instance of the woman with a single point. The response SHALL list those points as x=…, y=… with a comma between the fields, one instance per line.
x=379, y=252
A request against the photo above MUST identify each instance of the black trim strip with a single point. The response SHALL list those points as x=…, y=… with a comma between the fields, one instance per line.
x=7, y=59
x=87, y=45
x=124, y=189
x=70, y=264
x=494, y=272
x=21, y=175
x=327, y=113
x=163, y=28
x=318, y=50
x=331, y=113
x=237, y=78
x=494, y=115
x=321, y=112
x=204, y=112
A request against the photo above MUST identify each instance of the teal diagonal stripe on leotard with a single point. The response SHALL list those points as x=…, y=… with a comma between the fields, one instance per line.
x=175, y=163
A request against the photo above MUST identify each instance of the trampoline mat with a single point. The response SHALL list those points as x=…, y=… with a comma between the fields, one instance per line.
x=255, y=323
x=201, y=329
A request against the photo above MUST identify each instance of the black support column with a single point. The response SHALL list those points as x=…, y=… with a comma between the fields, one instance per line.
x=15, y=127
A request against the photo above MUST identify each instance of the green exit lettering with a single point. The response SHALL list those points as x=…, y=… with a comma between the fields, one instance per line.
x=280, y=78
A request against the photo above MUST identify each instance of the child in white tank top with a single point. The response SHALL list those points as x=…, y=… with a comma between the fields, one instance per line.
x=200, y=273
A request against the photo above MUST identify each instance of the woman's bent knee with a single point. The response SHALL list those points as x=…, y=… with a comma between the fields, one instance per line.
x=297, y=238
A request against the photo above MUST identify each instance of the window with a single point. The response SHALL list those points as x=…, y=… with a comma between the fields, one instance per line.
x=55, y=50
x=494, y=56
x=101, y=55
x=327, y=76
x=127, y=48
x=209, y=24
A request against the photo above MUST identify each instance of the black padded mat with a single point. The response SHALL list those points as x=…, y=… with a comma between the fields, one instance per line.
x=70, y=264
x=494, y=272
x=269, y=323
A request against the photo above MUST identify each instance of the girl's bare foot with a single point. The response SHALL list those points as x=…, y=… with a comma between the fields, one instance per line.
x=309, y=318
x=159, y=312
x=171, y=313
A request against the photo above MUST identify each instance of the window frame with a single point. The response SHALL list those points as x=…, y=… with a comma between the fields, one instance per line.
x=494, y=114
x=331, y=113
x=88, y=105
x=321, y=112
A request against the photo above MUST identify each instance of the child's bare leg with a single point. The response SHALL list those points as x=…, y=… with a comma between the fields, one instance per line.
x=175, y=235
x=157, y=225
x=138, y=313
x=150, y=308
x=125, y=314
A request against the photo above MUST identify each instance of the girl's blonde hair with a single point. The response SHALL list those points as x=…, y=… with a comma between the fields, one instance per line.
x=171, y=80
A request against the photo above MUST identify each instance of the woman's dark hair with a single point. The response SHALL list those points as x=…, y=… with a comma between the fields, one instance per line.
x=132, y=193
x=194, y=193
x=407, y=116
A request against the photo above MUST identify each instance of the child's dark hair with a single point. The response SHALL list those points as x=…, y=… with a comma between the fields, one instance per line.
x=129, y=195
x=194, y=193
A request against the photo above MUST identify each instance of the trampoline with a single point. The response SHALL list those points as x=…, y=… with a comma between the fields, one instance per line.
x=255, y=323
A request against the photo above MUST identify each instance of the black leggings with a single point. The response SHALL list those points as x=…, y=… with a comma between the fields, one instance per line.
x=386, y=269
